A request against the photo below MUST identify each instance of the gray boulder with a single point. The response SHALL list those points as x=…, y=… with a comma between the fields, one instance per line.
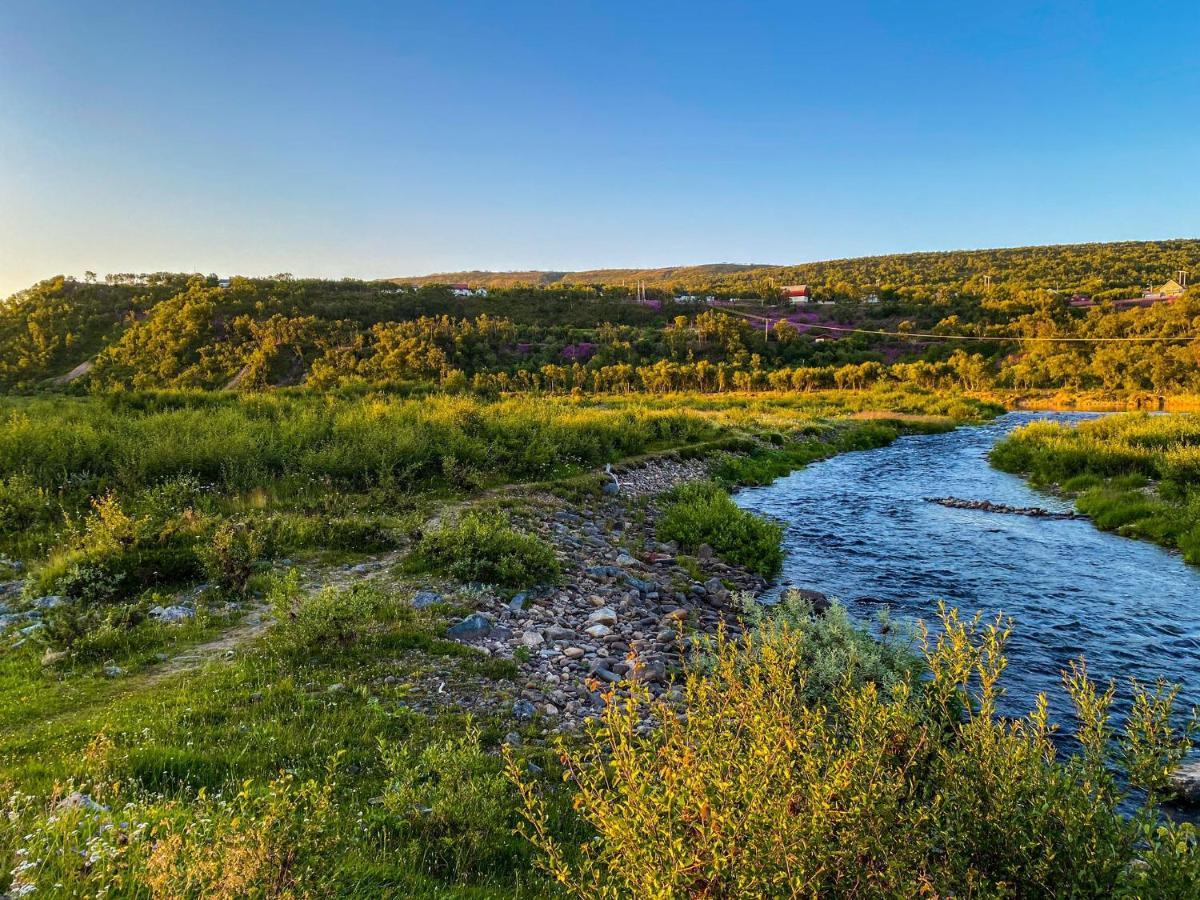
x=472, y=627
x=422, y=599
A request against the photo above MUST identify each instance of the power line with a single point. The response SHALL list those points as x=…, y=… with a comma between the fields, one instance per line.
x=973, y=337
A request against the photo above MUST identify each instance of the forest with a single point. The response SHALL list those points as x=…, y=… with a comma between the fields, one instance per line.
x=988, y=320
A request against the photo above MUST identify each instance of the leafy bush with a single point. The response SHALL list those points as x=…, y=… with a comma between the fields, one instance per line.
x=484, y=547
x=832, y=651
x=912, y=791
x=231, y=555
x=327, y=620
x=703, y=513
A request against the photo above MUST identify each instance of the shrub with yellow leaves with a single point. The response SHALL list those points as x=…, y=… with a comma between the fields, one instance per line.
x=746, y=787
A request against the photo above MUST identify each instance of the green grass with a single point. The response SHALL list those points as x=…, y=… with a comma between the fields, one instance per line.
x=269, y=710
x=1135, y=474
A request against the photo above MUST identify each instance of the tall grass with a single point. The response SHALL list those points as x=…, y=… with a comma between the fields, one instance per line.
x=1135, y=473
x=241, y=442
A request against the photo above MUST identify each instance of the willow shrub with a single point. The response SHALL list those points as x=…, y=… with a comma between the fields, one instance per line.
x=485, y=547
x=704, y=513
x=750, y=790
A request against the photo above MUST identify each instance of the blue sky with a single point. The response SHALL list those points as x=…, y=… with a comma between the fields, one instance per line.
x=375, y=139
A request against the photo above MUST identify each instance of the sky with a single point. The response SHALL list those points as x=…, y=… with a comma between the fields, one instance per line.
x=399, y=138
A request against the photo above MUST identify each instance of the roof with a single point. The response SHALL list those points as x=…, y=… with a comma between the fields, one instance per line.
x=795, y=289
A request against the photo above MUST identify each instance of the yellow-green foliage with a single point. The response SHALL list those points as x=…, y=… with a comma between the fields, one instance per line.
x=264, y=840
x=703, y=513
x=484, y=547
x=748, y=790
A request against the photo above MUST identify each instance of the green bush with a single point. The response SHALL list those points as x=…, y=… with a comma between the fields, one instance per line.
x=703, y=513
x=832, y=651
x=484, y=547
x=328, y=620
x=746, y=787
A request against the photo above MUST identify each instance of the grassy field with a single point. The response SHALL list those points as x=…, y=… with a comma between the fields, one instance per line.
x=1136, y=474
x=352, y=749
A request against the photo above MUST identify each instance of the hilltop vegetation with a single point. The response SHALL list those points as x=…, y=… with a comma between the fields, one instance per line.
x=1102, y=270
x=176, y=331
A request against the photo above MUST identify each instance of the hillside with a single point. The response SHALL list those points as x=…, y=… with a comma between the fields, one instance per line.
x=1092, y=268
x=579, y=334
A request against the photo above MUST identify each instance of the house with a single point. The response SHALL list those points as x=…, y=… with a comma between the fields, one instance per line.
x=460, y=289
x=871, y=298
x=1081, y=301
x=1171, y=288
x=797, y=293
x=687, y=298
x=223, y=282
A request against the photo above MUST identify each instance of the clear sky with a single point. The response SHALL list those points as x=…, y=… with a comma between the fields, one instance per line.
x=375, y=139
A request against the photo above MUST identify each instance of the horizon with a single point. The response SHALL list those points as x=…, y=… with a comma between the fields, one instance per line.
x=375, y=143
x=600, y=269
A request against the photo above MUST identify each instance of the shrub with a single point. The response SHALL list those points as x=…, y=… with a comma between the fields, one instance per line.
x=484, y=547
x=703, y=513
x=750, y=790
x=329, y=619
x=231, y=555
x=832, y=651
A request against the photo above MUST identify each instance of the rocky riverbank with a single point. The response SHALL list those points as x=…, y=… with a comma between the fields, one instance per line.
x=627, y=606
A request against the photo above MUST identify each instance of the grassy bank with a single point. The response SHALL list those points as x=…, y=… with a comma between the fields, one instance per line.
x=1135, y=474
x=351, y=749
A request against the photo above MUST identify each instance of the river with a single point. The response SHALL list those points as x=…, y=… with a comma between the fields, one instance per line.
x=858, y=528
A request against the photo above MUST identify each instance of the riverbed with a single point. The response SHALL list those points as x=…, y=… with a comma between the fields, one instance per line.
x=858, y=528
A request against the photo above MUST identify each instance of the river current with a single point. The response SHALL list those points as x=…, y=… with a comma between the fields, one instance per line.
x=858, y=528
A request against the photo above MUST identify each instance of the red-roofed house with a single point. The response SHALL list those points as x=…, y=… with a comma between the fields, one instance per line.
x=797, y=293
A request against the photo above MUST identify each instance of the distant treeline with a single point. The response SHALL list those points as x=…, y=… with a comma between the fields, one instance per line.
x=1109, y=270
x=179, y=331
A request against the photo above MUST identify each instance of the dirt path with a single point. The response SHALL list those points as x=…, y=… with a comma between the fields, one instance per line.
x=258, y=618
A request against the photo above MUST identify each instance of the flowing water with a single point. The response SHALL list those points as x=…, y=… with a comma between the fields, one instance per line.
x=858, y=528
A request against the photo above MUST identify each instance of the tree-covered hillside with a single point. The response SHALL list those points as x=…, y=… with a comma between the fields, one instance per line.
x=930, y=319
x=1099, y=269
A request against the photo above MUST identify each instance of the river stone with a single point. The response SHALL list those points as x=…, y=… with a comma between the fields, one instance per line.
x=422, y=599
x=598, y=630
x=532, y=640
x=574, y=653
x=1185, y=781
x=605, y=615
x=819, y=602
x=523, y=709
x=517, y=603
x=624, y=559
x=558, y=633
x=473, y=626
x=172, y=615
